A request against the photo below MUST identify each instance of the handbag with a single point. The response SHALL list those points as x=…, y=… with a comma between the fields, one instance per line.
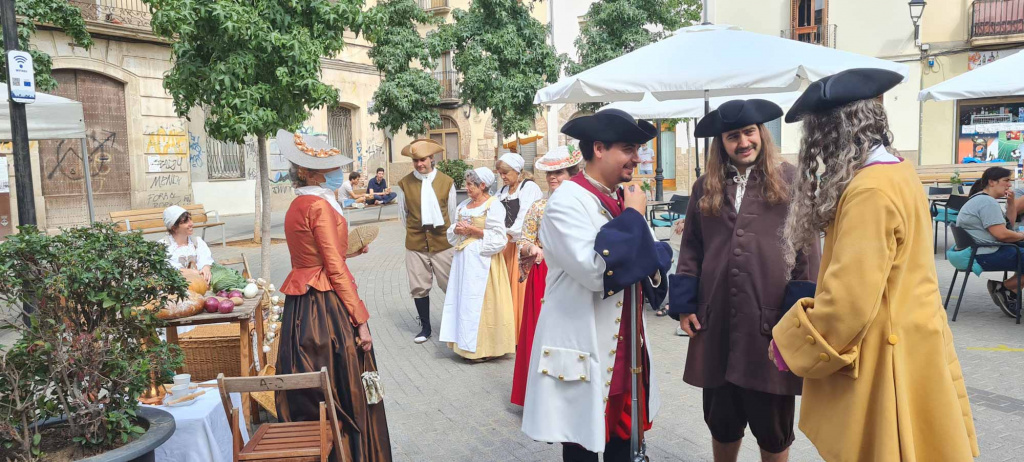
x=372, y=385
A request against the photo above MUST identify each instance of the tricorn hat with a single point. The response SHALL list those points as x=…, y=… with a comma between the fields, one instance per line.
x=422, y=147
x=841, y=89
x=737, y=114
x=612, y=125
x=309, y=151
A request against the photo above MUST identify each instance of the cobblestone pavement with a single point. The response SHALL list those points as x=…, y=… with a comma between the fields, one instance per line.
x=441, y=408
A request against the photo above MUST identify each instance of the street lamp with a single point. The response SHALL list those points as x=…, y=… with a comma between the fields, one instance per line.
x=916, y=10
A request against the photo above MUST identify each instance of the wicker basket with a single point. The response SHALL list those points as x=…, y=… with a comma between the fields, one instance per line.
x=210, y=350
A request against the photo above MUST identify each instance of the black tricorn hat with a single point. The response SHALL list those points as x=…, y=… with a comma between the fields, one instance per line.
x=611, y=125
x=735, y=114
x=841, y=89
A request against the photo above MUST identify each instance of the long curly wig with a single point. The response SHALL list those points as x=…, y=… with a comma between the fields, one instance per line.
x=767, y=165
x=839, y=140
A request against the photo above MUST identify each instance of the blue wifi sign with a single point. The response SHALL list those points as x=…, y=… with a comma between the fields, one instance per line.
x=21, y=79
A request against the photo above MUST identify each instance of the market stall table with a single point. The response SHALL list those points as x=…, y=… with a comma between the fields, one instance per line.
x=201, y=430
x=248, y=316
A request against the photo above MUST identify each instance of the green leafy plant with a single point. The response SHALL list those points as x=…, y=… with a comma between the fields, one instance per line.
x=455, y=168
x=612, y=28
x=407, y=96
x=255, y=67
x=955, y=180
x=60, y=13
x=503, y=56
x=87, y=349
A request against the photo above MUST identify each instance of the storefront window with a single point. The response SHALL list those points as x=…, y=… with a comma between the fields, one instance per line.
x=990, y=130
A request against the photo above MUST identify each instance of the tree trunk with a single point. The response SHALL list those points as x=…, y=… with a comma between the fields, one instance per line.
x=264, y=195
x=257, y=231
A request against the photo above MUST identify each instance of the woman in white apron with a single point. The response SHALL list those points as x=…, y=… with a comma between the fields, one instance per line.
x=478, y=321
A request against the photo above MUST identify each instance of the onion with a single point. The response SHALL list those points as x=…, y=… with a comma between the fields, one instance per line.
x=250, y=290
x=226, y=306
x=212, y=305
x=235, y=294
x=222, y=294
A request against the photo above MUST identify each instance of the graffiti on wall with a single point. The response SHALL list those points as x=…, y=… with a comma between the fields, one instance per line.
x=195, y=151
x=366, y=156
x=167, y=199
x=65, y=162
x=166, y=139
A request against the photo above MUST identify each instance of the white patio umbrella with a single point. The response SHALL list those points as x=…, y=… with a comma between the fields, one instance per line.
x=998, y=78
x=708, y=60
x=52, y=117
x=651, y=108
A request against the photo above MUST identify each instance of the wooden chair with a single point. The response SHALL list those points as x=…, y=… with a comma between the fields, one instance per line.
x=291, y=441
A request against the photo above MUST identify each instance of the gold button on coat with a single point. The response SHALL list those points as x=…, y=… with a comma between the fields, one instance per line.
x=609, y=273
x=610, y=369
x=604, y=252
x=893, y=339
x=546, y=352
x=619, y=304
x=561, y=377
x=824, y=357
x=544, y=371
x=606, y=400
x=613, y=352
x=608, y=383
x=583, y=378
x=810, y=340
x=797, y=322
x=582, y=357
x=618, y=320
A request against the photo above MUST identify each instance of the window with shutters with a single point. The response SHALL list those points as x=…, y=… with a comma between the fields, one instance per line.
x=448, y=135
x=225, y=161
x=809, y=23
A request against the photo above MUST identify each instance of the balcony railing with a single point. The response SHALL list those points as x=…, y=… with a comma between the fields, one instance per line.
x=449, y=81
x=117, y=12
x=821, y=34
x=991, y=18
x=429, y=5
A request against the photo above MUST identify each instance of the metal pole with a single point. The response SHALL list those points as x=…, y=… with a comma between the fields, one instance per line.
x=88, y=181
x=635, y=445
x=19, y=128
x=659, y=194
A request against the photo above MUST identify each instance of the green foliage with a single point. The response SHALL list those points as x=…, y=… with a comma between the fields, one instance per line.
x=60, y=13
x=504, y=59
x=455, y=168
x=407, y=96
x=88, y=349
x=955, y=180
x=613, y=28
x=254, y=65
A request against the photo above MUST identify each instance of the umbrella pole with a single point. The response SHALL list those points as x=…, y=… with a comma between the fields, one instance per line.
x=88, y=181
x=658, y=173
x=637, y=448
x=707, y=141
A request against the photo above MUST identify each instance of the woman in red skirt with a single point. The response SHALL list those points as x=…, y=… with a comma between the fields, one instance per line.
x=558, y=165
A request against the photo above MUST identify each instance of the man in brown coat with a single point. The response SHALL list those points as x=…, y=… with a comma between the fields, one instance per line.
x=731, y=282
x=426, y=206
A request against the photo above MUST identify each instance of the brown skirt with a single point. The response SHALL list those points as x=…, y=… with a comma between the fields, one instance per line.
x=316, y=333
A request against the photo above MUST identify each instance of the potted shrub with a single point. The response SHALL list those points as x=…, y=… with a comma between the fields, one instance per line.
x=456, y=168
x=86, y=351
x=956, y=182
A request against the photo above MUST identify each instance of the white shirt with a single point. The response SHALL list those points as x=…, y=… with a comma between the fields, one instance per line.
x=345, y=191
x=646, y=155
x=193, y=251
x=403, y=213
x=741, y=184
x=528, y=192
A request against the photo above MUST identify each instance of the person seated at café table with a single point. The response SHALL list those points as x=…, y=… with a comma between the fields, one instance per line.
x=378, y=190
x=984, y=219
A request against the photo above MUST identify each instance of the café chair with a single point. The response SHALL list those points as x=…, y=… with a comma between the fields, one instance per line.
x=285, y=441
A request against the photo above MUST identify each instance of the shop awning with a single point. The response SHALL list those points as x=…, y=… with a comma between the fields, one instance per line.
x=651, y=108
x=998, y=78
x=49, y=118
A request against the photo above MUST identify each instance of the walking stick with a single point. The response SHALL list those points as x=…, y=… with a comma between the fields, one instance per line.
x=637, y=446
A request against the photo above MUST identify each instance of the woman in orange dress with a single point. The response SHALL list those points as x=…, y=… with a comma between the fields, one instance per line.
x=558, y=165
x=518, y=194
x=324, y=322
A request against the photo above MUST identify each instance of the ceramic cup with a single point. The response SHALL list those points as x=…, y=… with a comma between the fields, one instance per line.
x=178, y=391
x=182, y=379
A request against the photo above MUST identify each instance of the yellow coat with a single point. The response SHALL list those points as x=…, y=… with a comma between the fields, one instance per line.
x=881, y=379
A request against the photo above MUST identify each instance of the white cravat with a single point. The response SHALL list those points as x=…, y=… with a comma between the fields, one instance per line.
x=879, y=154
x=741, y=184
x=430, y=208
x=323, y=192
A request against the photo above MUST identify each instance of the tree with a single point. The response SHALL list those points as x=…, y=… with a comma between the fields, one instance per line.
x=613, y=28
x=65, y=16
x=255, y=67
x=504, y=59
x=406, y=96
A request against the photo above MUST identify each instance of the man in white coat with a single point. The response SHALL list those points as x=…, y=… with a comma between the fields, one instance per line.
x=601, y=257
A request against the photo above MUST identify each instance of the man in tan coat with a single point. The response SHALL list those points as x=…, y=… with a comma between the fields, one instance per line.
x=882, y=381
x=426, y=207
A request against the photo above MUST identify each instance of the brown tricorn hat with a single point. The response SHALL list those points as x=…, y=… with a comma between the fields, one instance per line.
x=421, y=148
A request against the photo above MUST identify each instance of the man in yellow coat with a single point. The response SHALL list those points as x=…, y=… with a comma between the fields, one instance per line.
x=881, y=378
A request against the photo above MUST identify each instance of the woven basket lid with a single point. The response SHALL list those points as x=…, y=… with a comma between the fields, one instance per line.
x=361, y=237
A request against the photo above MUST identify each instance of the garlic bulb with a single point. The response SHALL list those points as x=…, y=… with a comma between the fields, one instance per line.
x=266, y=348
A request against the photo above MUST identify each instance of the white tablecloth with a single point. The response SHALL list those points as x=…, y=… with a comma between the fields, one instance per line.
x=202, y=433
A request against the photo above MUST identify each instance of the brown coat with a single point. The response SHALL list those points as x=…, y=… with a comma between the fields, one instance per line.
x=418, y=238
x=740, y=282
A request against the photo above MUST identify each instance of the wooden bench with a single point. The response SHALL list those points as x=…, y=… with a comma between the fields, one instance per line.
x=379, y=206
x=150, y=221
x=941, y=174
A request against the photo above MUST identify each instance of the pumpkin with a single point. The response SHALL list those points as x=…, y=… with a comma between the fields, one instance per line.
x=196, y=282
